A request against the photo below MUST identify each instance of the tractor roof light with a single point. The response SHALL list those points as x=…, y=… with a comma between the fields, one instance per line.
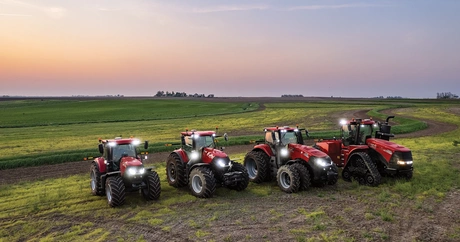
x=112, y=144
x=343, y=121
x=296, y=130
x=136, y=142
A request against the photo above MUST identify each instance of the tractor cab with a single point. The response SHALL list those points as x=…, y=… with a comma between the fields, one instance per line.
x=357, y=131
x=115, y=149
x=283, y=136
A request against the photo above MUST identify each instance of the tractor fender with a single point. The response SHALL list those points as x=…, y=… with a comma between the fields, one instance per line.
x=182, y=155
x=109, y=174
x=265, y=148
x=100, y=162
x=196, y=165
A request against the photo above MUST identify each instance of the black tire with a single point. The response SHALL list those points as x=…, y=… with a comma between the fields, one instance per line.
x=333, y=180
x=305, y=180
x=115, y=191
x=95, y=184
x=240, y=185
x=346, y=174
x=288, y=179
x=175, y=171
x=257, y=166
x=153, y=189
x=201, y=182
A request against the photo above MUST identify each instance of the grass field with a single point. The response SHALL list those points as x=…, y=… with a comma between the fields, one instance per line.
x=423, y=209
x=39, y=132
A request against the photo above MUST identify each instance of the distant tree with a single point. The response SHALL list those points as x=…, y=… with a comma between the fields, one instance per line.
x=160, y=94
x=446, y=95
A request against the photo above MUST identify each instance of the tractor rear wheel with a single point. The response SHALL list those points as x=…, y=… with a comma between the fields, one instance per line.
x=257, y=165
x=115, y=191
x=175, y=171
x=96, y=187
x=288, y=179
x=240, y=185
x=305, y=180
x=202, y=183
x=153, y=189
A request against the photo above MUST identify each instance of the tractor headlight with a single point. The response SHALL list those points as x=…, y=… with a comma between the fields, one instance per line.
x=323, y=162
x=401, y=162
x=135, y=171
x=221, y=163
x=284, y=152
x=194, y=155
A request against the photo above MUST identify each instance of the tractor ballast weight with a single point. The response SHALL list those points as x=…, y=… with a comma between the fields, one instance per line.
x=202, y=166
x=120, y=169
x=283, y=155
x=366, y=158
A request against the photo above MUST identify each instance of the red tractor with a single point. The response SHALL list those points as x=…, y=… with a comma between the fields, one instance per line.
x=202, y=166
x=283, y=155
x=121, y=170
x=364, y=158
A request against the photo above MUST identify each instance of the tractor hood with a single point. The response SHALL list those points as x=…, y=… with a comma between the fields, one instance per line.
x=381, y=145
x=210, y=153
x=129, y=161
x=299, y=151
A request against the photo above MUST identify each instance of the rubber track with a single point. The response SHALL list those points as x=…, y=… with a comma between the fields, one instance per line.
x=372, y=169
x=305, y=180
x=262, y=163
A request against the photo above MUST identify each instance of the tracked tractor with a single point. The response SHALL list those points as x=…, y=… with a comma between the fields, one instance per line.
x=365, y=152
x=283, y=155
x=120, y=169
x=201, y=165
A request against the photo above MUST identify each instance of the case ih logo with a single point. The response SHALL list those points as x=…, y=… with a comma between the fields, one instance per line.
x=373, y=146
x=209, y=154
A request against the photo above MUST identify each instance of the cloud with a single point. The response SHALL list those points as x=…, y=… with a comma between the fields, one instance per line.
x=14, y=15
x=53, y=12
x=230, y=8
x=338, y=6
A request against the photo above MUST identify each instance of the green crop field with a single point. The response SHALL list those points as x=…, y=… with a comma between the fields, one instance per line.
x=63, y=209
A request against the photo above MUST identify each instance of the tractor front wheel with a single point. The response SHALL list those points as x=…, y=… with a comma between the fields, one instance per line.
x=175, y=171
x=305, y=180
x=240, y=185
x=95, y=175
x=257, y=165
x=115, y=191
x=202, y=183
x=288, y=179
x=153, y=187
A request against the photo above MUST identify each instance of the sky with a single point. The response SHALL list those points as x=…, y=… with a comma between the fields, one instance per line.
x=340, y=48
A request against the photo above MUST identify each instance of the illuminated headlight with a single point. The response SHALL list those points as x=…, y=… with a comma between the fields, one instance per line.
x=221, y=163
x=343, y=122
x=323, y=162
x=135, y=171
x=284, y=152
x=112, y=144
x=136, y=142
x=401, y=162
x=194, y=155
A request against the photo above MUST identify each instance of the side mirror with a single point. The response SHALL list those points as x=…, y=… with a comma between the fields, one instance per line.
x=306, y=133
x=146, y=144
x=226, y=137
x=182, y=140
x=222, y=148
x=101, y=148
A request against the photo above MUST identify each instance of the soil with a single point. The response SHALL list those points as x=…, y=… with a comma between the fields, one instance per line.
x=276, y=217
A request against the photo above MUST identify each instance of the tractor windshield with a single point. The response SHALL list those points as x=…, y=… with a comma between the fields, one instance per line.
x=204, y=141
x=288, y=137
x=123, y=150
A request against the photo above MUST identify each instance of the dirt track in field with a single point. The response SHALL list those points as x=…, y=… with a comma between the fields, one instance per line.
x=277, y=217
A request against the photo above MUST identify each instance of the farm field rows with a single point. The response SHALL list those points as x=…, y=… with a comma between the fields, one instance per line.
x=61, y=208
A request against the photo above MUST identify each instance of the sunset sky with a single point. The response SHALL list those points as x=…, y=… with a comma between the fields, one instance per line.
x=408, y=48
